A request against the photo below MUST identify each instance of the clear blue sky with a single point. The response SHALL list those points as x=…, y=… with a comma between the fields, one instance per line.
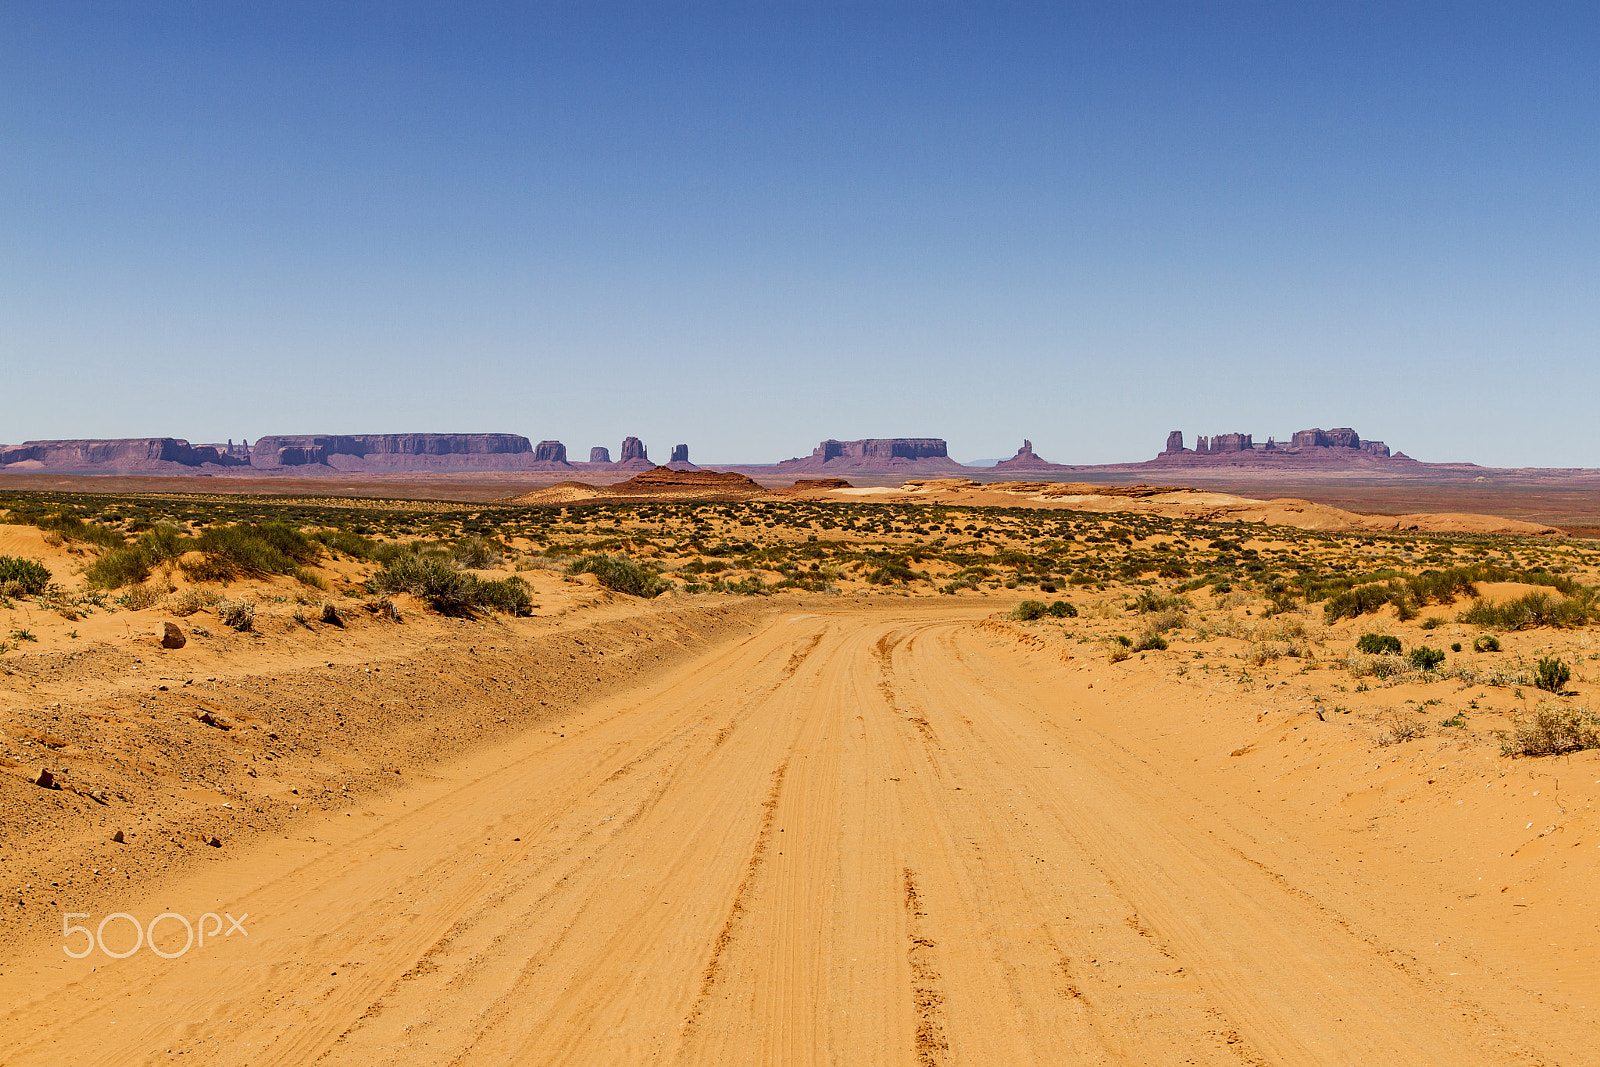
x=751, y=226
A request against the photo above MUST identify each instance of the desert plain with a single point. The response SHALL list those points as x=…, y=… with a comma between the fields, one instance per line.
x=933, y=773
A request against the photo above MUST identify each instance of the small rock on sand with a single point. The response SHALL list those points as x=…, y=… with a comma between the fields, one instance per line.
x=172, y=637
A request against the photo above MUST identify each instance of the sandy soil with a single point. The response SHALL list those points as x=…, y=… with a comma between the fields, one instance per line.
x=877, y=831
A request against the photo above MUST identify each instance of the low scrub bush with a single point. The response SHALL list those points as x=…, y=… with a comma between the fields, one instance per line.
x=1062, y=610
x=1378, y=645
x=190, y=601
x=72, y=528
x=1149, y=601
x=1029, y=610
x=1486, y=643
x=23, y=577
x=1382, y=666
x=1551, y=675
x=1402, y=728
x=450, y=591
x=1553, y=729
x=128, y=565
x=239, y=614
x=621, y=574
x=1366, y=599
x=477, y=554
x=1424, y=658
x=1260, y=653
x=1150, y=642
x=139, y=597
x=250, y=551
x=1533, y=609
x=345, y=541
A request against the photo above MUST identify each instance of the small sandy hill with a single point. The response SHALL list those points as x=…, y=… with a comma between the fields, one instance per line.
x=1182, y=503
x=658, y=483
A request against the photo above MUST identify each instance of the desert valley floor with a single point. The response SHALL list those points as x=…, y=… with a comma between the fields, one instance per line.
x=848, y=791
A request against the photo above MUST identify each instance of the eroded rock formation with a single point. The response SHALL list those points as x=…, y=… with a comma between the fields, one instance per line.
x=1025, y=459
x=1315, y=445
x=550, y=452
x=599, y=454
x=388, y=451
x=680, y=454
x=633, y=448
x=131, y=453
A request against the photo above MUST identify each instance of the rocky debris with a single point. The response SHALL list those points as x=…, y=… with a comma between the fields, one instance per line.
x=171, y=636
x=599, y=454
x=46, y=780
x=211, y=720
x=215, y=842
x=550, y=452
x=680, y=454
x=120, y=838
x=117, y=454
x=633, y=448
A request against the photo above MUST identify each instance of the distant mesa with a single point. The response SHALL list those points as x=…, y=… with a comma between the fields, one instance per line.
x=893, y=455
x=393, y=452
x=680, y=454
x=599, y=454
x=120, y=454
x=1317, y=446
x=550, y=452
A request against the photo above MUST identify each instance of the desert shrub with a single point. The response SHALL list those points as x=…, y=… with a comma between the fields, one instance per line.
x=1062, y=610
x=1455, y=646
x=1553, y=729
x=1260, y=653
x=1029, y=610
x=162, y=544
x=307, y=576
x=1533, y=609
x=190, y=601
x=72, y=528
x=476, y=553
x=139, y=597
x=332, y=615
x=1551, y=675
x=1162, y=621
x=1382, y=666
x=1424, y=658
x=1366, y=599
x=247, y=550
x=1150, y=642
x=346, y=541
x=1378, y=645
x=621, y=574
x=1433, y=622
x=1149, y=601
x=128, y=565
x=239, y=614
x=446, y=589
x=1402, y=728
x=510, y=596
x=1486, y=643
x=24, y=577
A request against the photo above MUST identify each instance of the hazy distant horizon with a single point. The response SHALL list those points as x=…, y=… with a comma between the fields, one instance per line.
x=752, y=227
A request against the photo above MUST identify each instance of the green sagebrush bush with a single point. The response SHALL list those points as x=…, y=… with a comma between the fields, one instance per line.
x=1426, y=659
x=1486, y=643
x=1378, y=645
x=1552, y=675
x=24, y=577
x=248, y=550
x=619, y=573
x=450, y=591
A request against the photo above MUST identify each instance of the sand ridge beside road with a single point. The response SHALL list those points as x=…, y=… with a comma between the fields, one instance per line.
x=886, y=833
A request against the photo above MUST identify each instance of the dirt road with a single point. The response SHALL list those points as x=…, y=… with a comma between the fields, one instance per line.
x=854, y=837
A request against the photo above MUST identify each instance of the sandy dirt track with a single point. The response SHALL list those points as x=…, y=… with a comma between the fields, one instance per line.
x=853, y=837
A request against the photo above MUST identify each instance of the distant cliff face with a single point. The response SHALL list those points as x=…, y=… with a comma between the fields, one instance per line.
x=550, y=452
x=132, y=453
x=882, y=448
x=599, y=454
x=393, y=451
x=633, y=448
x=1314, y=445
